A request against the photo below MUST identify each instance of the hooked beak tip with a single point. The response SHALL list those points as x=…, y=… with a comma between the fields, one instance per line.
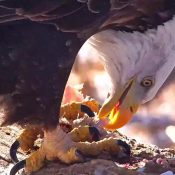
x=119, y=119
x=120, y=107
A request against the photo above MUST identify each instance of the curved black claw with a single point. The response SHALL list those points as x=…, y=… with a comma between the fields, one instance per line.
x=20, y=165
x=123, y=156
x=13, y=150
x=87, y=110
x=127, y=148
x=94, y=133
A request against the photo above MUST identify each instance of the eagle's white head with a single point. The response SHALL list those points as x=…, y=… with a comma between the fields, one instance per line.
x=138, y=65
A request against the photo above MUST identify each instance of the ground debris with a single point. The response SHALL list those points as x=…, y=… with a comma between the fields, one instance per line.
x=145, y=160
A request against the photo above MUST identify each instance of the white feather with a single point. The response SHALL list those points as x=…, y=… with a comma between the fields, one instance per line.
x=137, y=54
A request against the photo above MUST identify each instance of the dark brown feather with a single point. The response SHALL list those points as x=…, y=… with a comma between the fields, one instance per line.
x=116, y=13
x=139, y=14
x=35, y=63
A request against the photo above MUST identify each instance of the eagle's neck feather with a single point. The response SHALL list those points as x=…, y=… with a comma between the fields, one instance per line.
x=125, y=54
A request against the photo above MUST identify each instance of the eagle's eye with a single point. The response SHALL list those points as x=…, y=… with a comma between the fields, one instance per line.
x=147, y=82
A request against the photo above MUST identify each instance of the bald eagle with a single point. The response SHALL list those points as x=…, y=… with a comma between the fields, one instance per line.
x=40, y=40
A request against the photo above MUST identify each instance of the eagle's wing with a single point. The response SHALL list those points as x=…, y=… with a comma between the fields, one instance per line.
x=139, y=14
x=76, y=15
x=67, y=15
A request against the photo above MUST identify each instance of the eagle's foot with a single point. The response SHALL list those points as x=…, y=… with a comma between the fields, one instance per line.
x=111, y=145
x=28, y=136
x=56, y=145
x=69, y=148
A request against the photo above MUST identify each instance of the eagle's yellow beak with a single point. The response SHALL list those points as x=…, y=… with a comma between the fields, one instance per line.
x=120, y=107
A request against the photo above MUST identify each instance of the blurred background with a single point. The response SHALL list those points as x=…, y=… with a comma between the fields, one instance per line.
x=154, y=123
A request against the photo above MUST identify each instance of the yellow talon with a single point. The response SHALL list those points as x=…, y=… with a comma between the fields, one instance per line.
x=35, y=161
x=95, y=148
x=28, y=137
x=72, y=111
x=81, y=134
